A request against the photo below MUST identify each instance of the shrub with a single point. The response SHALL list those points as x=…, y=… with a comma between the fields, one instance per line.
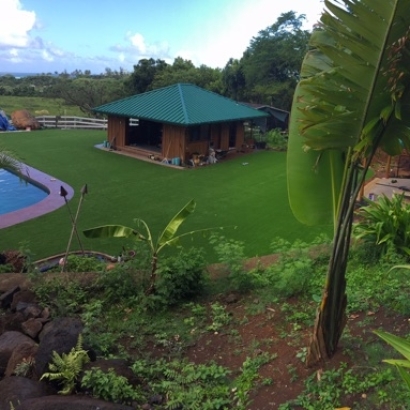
x=385, y=223
x=275, y=139
x=180, y=277
x=109, y=386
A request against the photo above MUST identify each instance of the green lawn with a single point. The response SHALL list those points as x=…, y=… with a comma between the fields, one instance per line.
x=251, y=197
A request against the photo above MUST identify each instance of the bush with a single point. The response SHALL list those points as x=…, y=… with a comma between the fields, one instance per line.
x=276, y=140
x=180, y=277
x=109, y=386
x=385, y=223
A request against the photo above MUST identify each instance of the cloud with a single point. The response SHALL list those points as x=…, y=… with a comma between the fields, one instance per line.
x=16, y=24
x=137, y=48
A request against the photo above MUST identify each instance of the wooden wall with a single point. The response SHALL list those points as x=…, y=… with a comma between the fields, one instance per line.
x=173, y=141
x=240, y=135
x=116, y=131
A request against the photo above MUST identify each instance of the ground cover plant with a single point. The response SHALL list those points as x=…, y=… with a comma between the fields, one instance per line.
x=228, y=194
x=223, y=348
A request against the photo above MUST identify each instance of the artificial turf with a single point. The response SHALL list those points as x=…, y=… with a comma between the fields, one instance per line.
x=247, y=192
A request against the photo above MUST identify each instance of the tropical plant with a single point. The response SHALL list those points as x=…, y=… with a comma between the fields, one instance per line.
x=354, y=89
x=8, y=160
x=168, y=236
x=403, y=347
x=109, y=386
x=385, y=223
x=67, y=367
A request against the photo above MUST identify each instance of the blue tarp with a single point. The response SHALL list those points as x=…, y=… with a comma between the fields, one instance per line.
x=4, y=123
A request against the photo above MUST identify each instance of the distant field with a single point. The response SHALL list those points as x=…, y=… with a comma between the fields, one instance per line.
x=38, y=106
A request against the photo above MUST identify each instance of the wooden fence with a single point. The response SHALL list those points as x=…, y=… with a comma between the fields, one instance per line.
x=67, y=122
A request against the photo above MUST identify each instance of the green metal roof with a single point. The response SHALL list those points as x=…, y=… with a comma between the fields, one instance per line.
x=183, y=104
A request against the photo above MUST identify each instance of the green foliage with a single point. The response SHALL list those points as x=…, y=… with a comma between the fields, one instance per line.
x=298, y=271
x=231, y=254
x=51, y=106
x=402, y=346
x=196, y=387
x=67, y=367
x=64, y=296
x=25, y=367
x=245, y=382
x=109, y=386
x=98, y=337
x=325, y=390
x=80, y=263
x=181, y=277
x=168, y=236
x=384, y=223
x=271, y=63
x=220, y=317
x=276, y=140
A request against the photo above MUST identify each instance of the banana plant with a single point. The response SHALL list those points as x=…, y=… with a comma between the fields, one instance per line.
x=168, y=236
x=353, y=98
x=402, y=346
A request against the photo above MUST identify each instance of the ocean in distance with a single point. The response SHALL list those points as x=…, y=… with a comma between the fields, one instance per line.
x=21, y=75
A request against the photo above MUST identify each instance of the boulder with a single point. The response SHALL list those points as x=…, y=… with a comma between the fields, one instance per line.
x=23, y=353
x=15, y=390
x=59, y=335
x=9, y=341
x=22, y=120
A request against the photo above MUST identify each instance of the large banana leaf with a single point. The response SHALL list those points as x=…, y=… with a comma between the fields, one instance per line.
x=353, y=94
x=167, y=237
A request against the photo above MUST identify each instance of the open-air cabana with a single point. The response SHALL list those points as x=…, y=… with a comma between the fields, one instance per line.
x=178, y=121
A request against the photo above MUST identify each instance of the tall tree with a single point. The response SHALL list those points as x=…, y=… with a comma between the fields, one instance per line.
x=143, y=75
x=88, y=93
x=271, y=63
x=233, y=80
x=354, y=96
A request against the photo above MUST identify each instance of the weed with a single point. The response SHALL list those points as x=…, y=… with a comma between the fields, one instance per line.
x=109, y=386
x=220, y=318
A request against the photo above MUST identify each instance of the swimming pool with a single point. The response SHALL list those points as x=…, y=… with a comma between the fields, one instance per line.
x=16, y=194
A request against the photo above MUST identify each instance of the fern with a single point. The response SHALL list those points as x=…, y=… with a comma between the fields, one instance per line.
x=67, y=367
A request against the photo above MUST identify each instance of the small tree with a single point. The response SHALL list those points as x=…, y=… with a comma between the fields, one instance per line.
x=168, y=236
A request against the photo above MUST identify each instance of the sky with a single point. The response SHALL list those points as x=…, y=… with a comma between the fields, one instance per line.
x=41, y=36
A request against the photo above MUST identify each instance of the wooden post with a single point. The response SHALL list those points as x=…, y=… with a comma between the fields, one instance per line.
x=388, y=165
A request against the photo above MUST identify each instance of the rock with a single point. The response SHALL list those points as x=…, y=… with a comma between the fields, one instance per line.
x=11, y=321
x=23, y=353
x=26, y=296
x=7, y=297
x=59, y=335
x=22, y=119
x=15, y=390
x=32, y=327
x=232, y=298
x=9, y=280
x=8, y=342
x=32, y=311
x=77, y=402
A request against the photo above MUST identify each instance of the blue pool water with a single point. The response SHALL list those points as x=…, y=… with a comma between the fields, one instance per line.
x=16, y=194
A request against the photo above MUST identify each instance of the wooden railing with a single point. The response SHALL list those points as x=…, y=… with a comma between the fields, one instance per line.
x=67, y=122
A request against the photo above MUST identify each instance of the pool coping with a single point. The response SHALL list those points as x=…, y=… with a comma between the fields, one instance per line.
x=50, y=203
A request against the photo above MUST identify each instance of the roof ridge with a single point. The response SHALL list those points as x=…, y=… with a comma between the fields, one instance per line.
x=184, y=108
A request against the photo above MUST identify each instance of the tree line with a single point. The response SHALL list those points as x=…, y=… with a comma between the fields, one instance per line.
x=267, y=73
